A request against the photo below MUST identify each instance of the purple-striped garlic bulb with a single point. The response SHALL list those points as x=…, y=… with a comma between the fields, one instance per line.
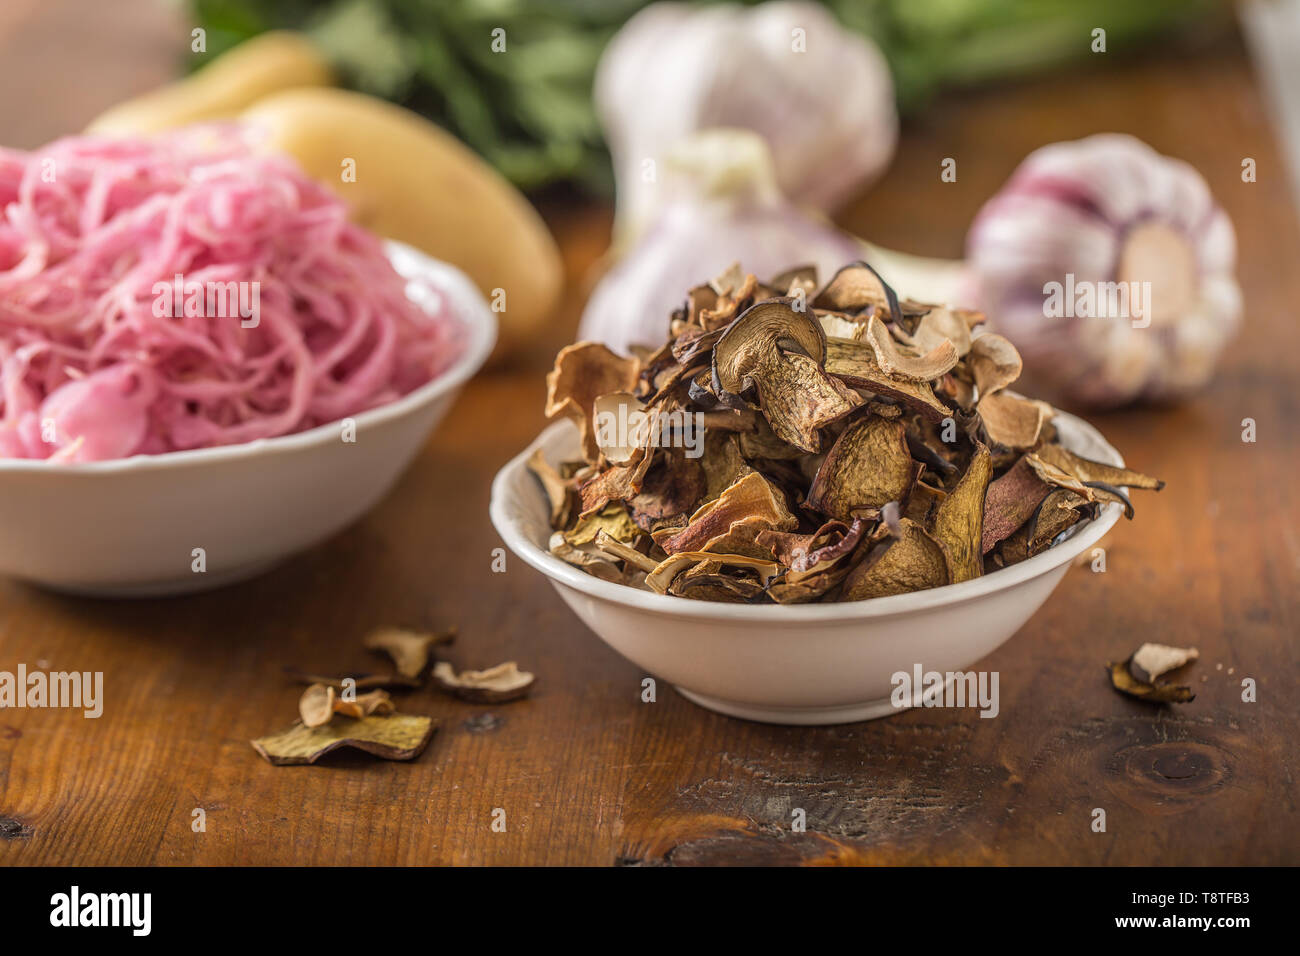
x=1111, y=268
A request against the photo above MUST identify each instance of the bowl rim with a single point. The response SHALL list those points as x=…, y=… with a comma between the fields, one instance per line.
x=473, y=315
x=783, y=614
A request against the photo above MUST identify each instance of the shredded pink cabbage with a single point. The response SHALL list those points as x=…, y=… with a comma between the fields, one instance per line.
x=90, y=370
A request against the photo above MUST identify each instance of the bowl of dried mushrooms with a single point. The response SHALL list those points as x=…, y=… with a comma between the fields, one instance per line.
x=805, y=492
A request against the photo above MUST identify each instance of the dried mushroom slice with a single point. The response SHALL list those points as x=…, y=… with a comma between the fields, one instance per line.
x=804, y=553
x=623, y=552
x=857, y=288
x=901, y=362
x=585, y=557
x=1151, y=661
x=408, y=649
x=868, y=466
x=621, y=426
x=994, y=363
x=1012, y=500
x=734, y=519
x=582, y=373
x=912, y=562
x=723, y=463
x=617, y=483
x=777, y=352
x=959, y=522
x=662, y=577
x=673, y=487
x=937, y=325
x=558, y=492
x=837, y=325
x=711, y=581
x=1138, y=676
x=316, y=705
x=854, y=363
x=392, y=737
x=1012, y=421
x=363, y=705
x=1087, y=470
x=613, y=519
x=496, y=685
x=1061, y=510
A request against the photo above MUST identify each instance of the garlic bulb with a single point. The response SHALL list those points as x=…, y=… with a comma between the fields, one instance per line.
x=821, y=97
x=1111, y=269
x=721, y=205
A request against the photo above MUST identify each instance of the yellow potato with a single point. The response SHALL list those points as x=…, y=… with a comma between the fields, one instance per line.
x=419, y=184
x=222, y=89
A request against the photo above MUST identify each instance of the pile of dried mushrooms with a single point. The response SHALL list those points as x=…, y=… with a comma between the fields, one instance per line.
x=791, y=443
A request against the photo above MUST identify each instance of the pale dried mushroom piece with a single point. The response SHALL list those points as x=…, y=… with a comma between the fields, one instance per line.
x=776, y=352
x=868, y=466
x=393, y=737
x=994, y=363
x=1013, y=422
x=316, y=705
x=1151, y=661
x=583, y=372
x=856, y=288
x=894, y=360
x=614, y=520
x=408, y=649
x=496, y=685
x=940, y=324
x=624, y=552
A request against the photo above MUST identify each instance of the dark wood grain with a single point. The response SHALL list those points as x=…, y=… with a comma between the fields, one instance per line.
x=586, y=773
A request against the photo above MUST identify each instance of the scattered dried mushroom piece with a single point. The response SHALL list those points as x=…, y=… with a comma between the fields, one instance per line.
x=856, y=445
x=496, y=685
x=1139, y=675
x=408, y=649
x=393, y=737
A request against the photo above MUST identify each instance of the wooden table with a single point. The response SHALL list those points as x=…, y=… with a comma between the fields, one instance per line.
x=586, y=773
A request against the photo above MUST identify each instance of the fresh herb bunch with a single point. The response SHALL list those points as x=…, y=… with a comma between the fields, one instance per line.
x=529, y=112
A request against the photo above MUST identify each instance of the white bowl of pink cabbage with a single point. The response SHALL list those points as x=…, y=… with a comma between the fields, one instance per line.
x=145, y=452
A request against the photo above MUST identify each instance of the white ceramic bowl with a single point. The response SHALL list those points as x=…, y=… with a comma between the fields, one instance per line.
x=794, y=664
x=129, y=527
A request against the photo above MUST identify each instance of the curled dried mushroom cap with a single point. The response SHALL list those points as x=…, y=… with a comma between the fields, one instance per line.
x=856, y=445
x=495, y=685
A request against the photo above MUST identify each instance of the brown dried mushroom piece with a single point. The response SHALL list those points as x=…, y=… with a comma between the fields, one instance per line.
x=854, y=363
x=408, y=649
x=868, y=466
x=731, y=522
x=912, y=562
x=777, y=352
x=496, y=685
x=1013, y=422
x=558, y=493
x=994, y=363
x=662, y=577
x=583, y=372
x=394, y=737
x=1124, y=675
x=902, y=362
x=857, y=288
x=1087, y=470
x=959, y=522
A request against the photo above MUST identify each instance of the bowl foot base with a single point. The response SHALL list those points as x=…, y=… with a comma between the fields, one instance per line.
x=803, y=716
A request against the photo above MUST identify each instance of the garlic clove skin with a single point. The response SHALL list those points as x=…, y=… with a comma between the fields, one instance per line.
x=722, y=205
x=1089, y=215
x=821, y=96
